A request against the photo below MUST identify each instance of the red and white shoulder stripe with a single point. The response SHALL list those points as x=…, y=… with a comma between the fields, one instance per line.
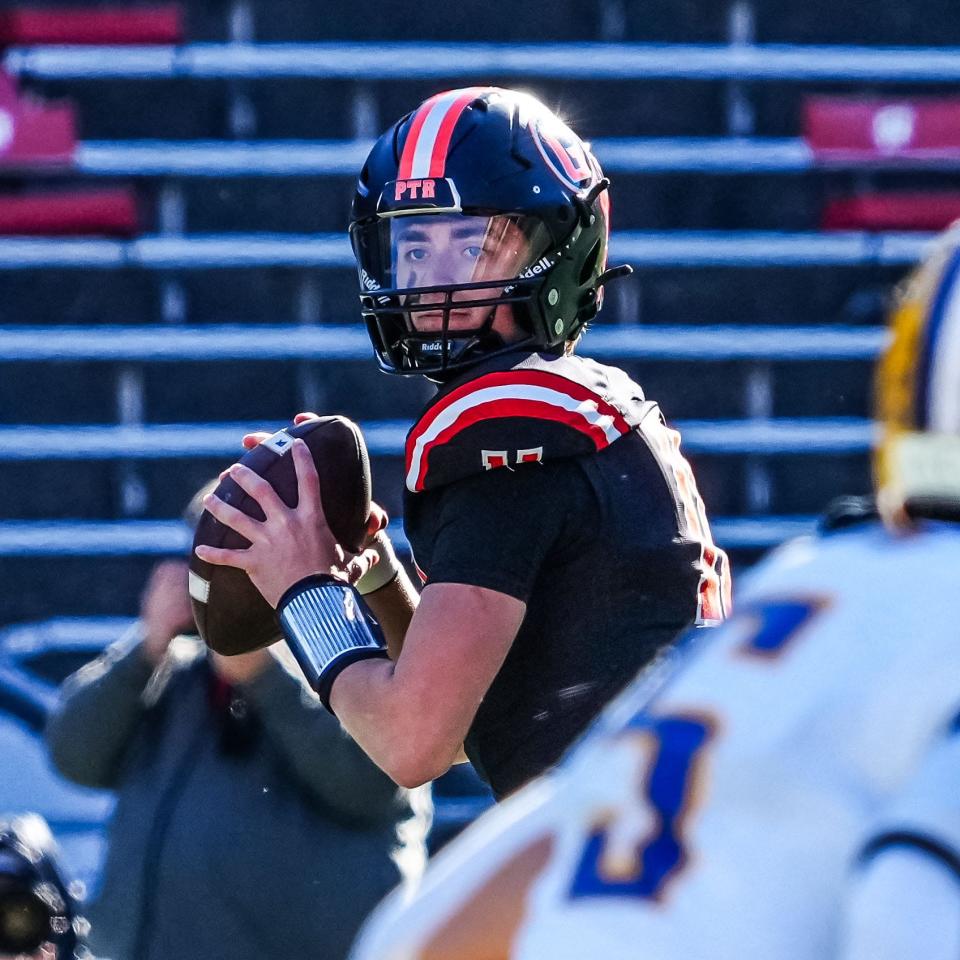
x=511, y=393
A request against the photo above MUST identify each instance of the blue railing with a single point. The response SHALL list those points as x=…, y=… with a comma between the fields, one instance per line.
x=678, y=248
x=488, y=61
x=88, y=538
x=801, y=436
x=295, y=158
x=350, y=342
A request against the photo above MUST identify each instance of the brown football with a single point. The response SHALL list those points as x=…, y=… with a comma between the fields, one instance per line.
x=231, y=615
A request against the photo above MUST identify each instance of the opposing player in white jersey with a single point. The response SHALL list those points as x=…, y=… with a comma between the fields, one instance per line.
x=784, y=786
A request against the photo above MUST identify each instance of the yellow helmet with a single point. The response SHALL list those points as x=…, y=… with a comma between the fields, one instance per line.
x=917, y=392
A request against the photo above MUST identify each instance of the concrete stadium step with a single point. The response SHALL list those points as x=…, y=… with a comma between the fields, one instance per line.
x=708, y=296
x=281, y=107
x=79, y=586
x=715, y=199
x=790, y=296
x=98, y=569
x=176, y=107
x=658, y=201
x=279, y=20
x=931, y=23
x=72, y=392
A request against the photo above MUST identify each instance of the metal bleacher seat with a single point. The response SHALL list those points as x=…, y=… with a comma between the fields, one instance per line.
x=26, y=24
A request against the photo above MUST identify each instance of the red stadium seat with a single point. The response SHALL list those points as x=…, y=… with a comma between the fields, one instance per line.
x=111, y=212
x=873, y=129
x=32, y=133
x=25, y=26
x=926, y=210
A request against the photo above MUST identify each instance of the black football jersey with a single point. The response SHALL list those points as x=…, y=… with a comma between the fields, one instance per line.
x=553, y=480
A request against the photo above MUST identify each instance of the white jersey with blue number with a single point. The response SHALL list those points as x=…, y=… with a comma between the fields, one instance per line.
x=716, y=809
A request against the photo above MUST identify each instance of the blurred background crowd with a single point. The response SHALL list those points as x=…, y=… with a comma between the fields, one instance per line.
x=175, y=182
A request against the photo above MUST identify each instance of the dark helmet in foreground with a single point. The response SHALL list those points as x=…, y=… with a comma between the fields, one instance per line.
x=479, y=208
x=38, y=913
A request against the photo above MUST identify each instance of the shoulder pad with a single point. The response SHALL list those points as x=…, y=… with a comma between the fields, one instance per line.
x=542, y=409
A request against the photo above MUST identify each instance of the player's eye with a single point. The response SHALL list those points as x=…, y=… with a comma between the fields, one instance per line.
x=473, y=252
x=415, y=254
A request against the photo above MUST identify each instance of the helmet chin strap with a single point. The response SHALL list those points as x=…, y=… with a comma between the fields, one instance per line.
x=473, y=339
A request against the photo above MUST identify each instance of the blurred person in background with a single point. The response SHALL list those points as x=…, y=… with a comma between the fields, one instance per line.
x=39, y=915
x=786, y=785
x=558, y=530
x=247, y=823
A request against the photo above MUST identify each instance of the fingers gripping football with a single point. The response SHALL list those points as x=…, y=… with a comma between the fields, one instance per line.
x=290, y=543
x=272, y=520
x=250, y=440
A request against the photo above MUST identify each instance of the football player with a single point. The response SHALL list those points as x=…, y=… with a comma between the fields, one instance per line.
x=787, y=785
x=560, y=534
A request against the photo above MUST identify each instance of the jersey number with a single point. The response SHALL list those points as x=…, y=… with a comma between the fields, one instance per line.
x=673, y=751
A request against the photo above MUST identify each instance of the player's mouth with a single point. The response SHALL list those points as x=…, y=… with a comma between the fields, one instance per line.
x=431, y=321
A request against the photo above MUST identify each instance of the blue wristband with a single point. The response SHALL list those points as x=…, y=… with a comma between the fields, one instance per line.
x=325, y=627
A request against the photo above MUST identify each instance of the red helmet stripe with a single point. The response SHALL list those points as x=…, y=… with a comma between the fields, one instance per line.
x=425, y=149
x=410, y=145
x=438, y=156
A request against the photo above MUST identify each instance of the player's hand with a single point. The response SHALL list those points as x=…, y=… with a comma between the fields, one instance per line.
x=250, y=440
x=165, y=608
x=291, y=542
x=376, y=522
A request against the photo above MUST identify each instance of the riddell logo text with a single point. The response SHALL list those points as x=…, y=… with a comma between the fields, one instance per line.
x=542, y=265
x=414, y=190
x=367, y=282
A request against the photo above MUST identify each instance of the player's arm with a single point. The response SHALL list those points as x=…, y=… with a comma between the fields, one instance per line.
x=390, y=594
x=412, y=716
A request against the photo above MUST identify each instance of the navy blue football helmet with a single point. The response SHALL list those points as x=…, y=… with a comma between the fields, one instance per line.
x=477, y=214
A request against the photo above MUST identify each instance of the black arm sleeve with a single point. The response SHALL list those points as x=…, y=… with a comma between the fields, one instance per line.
x=494, y=530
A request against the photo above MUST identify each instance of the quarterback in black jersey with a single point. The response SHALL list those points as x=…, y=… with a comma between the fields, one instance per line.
x=558, y=531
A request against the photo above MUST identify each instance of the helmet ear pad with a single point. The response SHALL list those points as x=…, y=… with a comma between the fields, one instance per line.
x=571, y=293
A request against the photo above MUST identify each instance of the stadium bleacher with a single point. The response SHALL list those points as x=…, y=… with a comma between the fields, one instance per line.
x=121, y=360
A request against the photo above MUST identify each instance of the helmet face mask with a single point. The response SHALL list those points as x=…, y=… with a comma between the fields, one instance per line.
x=450, y=286
x=479, y=225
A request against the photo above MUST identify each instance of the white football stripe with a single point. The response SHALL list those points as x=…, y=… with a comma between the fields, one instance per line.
x=511, y=391
x=199, y=588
